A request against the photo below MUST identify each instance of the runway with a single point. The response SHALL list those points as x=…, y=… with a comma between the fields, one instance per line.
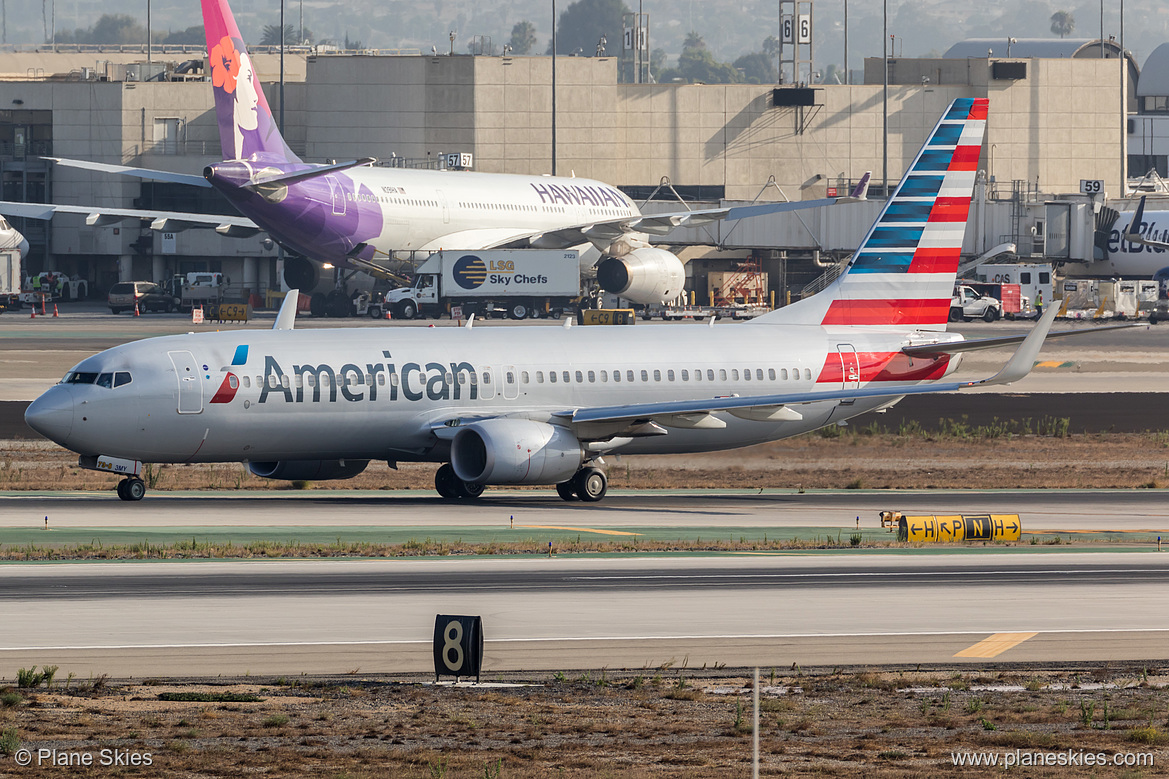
x=499, y=509
x=331, y=617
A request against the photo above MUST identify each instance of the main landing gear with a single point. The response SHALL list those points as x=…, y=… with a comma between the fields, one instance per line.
x=131, y=488
x=451, y=487
x=589, y=484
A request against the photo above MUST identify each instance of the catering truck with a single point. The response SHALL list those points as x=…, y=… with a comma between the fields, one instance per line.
x=9, y=279
x=518, y=283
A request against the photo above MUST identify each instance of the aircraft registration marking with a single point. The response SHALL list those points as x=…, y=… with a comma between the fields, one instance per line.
x=995, y=645
x=581, y=530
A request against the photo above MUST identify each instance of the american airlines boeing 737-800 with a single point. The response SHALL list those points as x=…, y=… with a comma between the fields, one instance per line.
x=352, y=214
x=543, y=405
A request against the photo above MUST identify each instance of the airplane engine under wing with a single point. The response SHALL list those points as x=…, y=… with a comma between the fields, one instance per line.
x=515, y=451
x=306, y=470
x=645, y=275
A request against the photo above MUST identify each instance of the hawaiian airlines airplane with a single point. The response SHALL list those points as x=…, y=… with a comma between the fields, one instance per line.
x=544, y=405
x=351, y=213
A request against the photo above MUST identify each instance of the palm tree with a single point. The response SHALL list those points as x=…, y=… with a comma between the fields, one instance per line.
x=693, y=41
x=1063, y=23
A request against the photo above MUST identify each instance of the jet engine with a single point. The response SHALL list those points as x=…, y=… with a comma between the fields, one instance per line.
x=301, y=274
x=645, y=275
x=308, y=470
x=515, y=451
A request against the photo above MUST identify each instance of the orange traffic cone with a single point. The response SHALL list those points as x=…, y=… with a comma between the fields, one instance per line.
x=32, y=312
x=55, y=310
x=42, y=305
x=136, y=313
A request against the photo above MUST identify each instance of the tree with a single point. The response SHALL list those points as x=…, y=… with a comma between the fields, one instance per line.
x=109, y=29
x=698, y=65
x=523, y=38
x=192, y=36
x=582, y=24
x=271, y=35
x=771, y=46
x=1063, y=23
x=757, y=68
x=693, y=42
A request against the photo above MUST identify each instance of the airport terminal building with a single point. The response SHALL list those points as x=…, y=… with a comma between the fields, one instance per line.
x=1058, y=115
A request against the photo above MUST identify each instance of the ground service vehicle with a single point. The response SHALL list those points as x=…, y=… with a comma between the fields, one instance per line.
x=518, y=283
x=967, y=304
x=146, y=295
x=9, y=279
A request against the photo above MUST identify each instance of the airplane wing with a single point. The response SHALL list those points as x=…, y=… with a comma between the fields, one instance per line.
x=1135, y=224
x=954, y=347
x=631, y=419
x=652, y=224
x=169, y=221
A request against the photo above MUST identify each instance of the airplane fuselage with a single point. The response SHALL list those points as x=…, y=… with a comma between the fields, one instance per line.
x=383, y=393
x=370, y=211
x=1127, y=259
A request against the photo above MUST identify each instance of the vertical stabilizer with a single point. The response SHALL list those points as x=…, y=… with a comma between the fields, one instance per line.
x=247, y=130
x=903, y=273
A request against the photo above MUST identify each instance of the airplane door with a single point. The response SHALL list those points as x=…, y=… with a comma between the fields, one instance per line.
x=190, y=399
x=511, y=387
x=446, y=211
x=338, y=195
x=487, y=383
x=850, y=371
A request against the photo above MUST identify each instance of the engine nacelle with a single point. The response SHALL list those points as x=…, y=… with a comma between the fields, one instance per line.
x=515, y=451
x=645, y=275
x=308, y=470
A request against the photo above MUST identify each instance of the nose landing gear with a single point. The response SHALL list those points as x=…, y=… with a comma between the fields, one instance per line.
x=131, y=488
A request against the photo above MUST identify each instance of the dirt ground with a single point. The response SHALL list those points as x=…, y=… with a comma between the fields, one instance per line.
x=659, y=722
x=834, y=459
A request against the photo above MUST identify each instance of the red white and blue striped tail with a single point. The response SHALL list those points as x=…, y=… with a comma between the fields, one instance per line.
x=903, y=273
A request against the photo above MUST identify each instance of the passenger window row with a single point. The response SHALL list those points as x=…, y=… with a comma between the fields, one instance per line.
x=697, y=375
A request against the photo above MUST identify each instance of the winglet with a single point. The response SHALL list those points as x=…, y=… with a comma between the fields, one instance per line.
x=1023, y=360
x=286, y=319
x=1133, y=234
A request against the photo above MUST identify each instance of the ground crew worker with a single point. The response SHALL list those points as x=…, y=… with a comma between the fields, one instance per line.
x=36, y=283
x=1039, y=303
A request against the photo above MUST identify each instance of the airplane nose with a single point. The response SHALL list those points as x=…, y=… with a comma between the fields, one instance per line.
x=51, y=414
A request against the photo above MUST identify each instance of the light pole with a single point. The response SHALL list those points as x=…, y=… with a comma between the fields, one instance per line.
x=885, y=99
x=553, y=87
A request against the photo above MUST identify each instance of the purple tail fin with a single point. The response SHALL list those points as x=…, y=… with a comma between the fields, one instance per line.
x=861, y=190
x=247, y=130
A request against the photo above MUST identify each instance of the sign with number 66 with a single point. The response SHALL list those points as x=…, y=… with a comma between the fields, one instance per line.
x=458, y=646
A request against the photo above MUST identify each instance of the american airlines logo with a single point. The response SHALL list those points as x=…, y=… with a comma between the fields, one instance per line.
x=412, y=381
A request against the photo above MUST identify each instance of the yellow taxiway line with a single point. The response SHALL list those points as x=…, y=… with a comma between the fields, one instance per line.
x=995, y=645
x=581, y=530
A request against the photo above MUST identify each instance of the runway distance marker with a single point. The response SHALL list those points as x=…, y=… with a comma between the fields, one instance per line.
x=995, y=645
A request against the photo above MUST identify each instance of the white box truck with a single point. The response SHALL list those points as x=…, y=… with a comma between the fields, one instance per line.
x=10, y=279
x=517, y=283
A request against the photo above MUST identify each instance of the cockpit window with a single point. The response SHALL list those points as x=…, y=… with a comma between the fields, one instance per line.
x=122, y=378
x=105, y=380
x=81, y=377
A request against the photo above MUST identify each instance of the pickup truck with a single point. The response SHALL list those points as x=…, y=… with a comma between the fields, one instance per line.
x=967, y=304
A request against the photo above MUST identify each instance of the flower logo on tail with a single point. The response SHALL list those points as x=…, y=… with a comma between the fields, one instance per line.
x=225, y=65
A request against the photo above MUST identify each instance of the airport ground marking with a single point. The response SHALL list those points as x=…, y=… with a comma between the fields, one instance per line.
x=580, y=530
x=575, y=639
x=995, y=645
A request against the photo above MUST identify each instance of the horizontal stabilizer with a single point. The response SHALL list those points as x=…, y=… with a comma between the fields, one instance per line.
x=956, y=347
x=311, y=173
x=141, y=173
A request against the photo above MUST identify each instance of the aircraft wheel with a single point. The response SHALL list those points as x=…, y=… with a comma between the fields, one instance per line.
x=566, y=491
x=337, y=305
x=132, y=489
x=446, y=482
x=590, y=484
x=468, y=490
x=318, y=304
